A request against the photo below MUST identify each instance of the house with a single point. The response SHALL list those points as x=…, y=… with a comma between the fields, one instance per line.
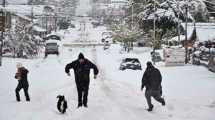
x=39, y=31
x=117, y=7
x=5, y=19
x=210, y=4
x=42, y=15
x=198, y=32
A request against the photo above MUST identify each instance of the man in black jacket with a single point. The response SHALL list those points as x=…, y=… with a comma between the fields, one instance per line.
x=22, y=77
x=152, y=81
x=81, y=68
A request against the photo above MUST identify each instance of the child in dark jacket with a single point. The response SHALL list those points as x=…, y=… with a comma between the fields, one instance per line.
x=21, y=76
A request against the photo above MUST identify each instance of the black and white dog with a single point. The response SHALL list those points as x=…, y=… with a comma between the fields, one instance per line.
x=61, y=104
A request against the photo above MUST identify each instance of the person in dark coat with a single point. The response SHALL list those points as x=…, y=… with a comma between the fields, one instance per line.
x=21, y=76
x=81, y=68
x=152, y=81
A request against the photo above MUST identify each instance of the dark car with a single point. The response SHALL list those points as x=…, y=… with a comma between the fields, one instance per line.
x=51, y=48
x=130, y=63
x=156, y=57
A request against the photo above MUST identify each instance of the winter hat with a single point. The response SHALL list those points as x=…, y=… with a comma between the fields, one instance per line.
x=19, y=65
x=80, y=56
x=149, y=64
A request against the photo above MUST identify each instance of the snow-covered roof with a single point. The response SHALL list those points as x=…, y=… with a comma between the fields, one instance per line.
x=15, y=1
x=162, y=12
x=119, y=1
x=39, y=29
x=204, y=31
x=25, y=9
x=182, y=37
x=24, y=17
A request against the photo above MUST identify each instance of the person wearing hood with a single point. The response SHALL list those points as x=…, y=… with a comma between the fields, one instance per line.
x=152, y=81
x=22, y=77
x=81, y=68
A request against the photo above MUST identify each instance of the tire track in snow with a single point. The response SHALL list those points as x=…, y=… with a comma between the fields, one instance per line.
x=130, y=102
x=45, y=100
x=112, y=95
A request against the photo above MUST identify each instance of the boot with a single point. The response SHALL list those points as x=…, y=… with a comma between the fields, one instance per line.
x=163, y=103
x=28, y=99
x=79, y=105
x=150, y=108
x=85, y=105
x=18, y=100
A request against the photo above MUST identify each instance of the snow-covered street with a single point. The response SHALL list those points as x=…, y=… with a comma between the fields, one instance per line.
x=114, y=95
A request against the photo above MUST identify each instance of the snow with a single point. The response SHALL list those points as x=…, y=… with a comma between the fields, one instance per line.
x=26, y=9
x=24, y=17
x=17, y=1
x=39, y=29
x=162, y=12
x=182, y=37
x=114, y=95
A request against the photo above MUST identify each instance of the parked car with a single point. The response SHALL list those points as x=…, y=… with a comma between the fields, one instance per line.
x=196, y=58
x=130, y=63
x=96, y=23
x=106, y=45
x=106, y=36
x=141, y=43
x=51, y=47
x=72, y=26
x=156, y=57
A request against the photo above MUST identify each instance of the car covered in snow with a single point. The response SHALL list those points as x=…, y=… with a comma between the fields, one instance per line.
x=106, y=45
x=156, y=57
x=130, y=63
x=51, y=47
x=52, y=37
x=196, y=58
x=107, y=36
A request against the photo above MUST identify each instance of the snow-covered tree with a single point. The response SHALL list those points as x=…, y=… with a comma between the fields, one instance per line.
x=35, y=2
x=197, y=8
x=125, y=34
x=166, y=15
x=21, y=41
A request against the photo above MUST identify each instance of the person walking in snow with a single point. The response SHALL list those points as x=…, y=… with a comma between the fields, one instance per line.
x=152, y=81
x=22, y=77
x=81, y=68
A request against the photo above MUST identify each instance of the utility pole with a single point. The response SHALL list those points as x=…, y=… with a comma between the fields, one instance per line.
x=186, y=41
x=2, y=31
x=55, y=22
x=154, y=27
x=179, y=39
x=132, y=12
x=32, y=20
x=132, y=16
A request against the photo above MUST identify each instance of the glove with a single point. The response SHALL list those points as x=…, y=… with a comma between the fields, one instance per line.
x=95, y=76
x=142, y=88
x=68, y=74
